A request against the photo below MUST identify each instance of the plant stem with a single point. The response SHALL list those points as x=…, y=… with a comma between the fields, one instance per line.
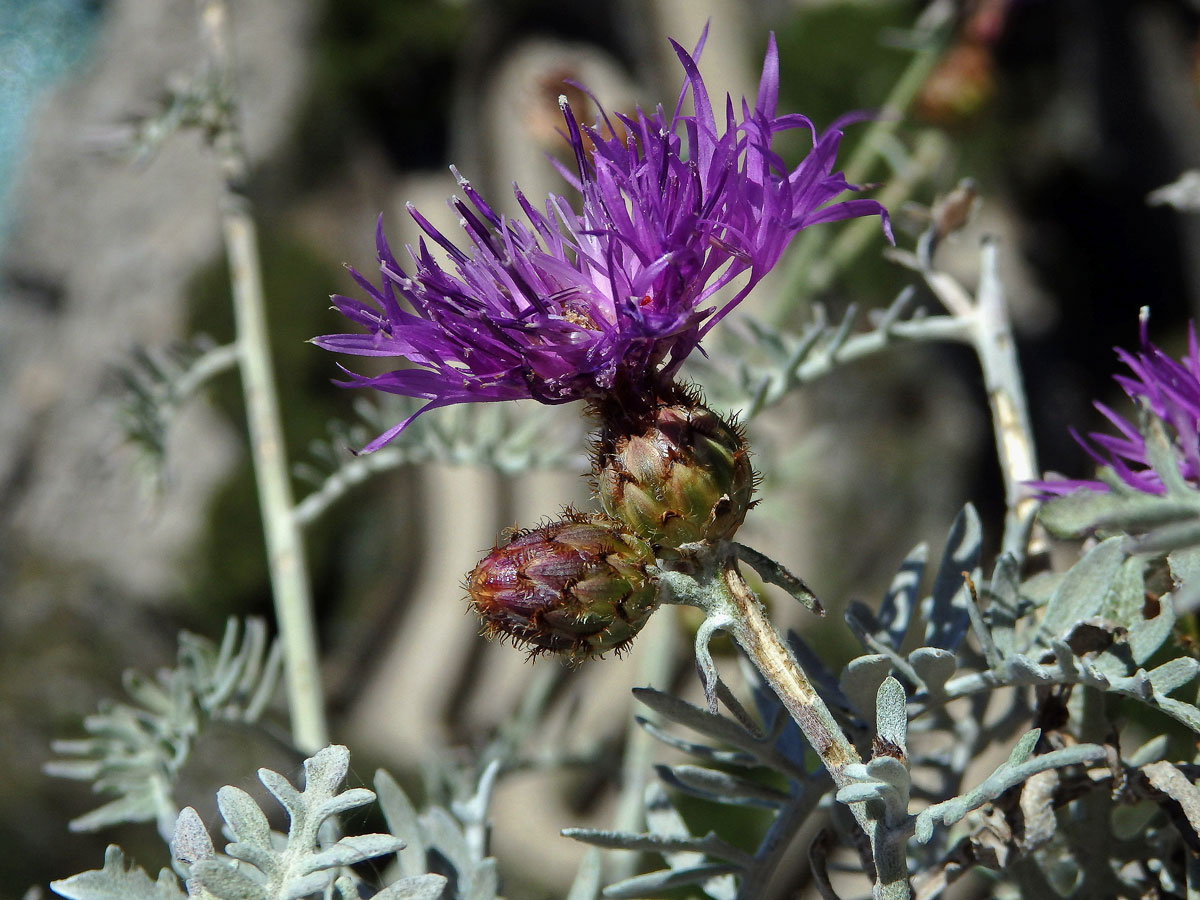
x=987, y=328
x=722, y=592
x=997, y=352
x=284, y=541
x=758, y=637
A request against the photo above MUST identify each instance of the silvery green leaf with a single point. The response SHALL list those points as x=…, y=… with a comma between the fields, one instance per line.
x=444, y=834
x=138, y=804
x=1084, y=590
x=979, y=627
x=895, y=612
x=719, y=728
x=664, y=821
x=884, y=780
x=889, y=770
x=225, y=882
x=1186, y=713
x=79, y=770
x=1138, y=685
x=138, y=749
x=511, y=438
x=1004, y=606
x=1084, y=511
x=1185, y=565
x=864, y=791
x=1017, y=768
x=861, y=679
x=354, y=849
x=146, y=692
x=1169, y=780
x=934, y=667
x=1020, y=669
x=948, y=617
x=289, y=868
x=473, y=810
x=282, y=790
x=1174, y=673
x=1151, y=751
x=477, y=878
x=655, y=882
x=1166, y=538
x=484, y=883
x=401, y=817
x=414, y=887
x=247, y=822
x=1023, y=749
x=118, y=881
x=343, y=802
x=1147, y=633
x=693, y=748
x=191, y=841
x=326, y=770
x=589, y=876
x=710, y=844
x=891, y=714
x=1162, y=456
x=299, y=886
x=721, y=786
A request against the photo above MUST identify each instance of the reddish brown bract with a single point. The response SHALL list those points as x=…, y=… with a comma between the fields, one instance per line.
x=579, y=587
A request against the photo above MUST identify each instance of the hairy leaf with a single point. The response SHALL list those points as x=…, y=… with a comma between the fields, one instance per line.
x=118, y=881
x=947, y=619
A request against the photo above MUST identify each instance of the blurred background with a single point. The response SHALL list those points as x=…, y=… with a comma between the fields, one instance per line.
x=1066, y=113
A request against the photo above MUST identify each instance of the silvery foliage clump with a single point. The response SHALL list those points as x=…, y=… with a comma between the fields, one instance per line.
x=1042, y=817
x=259, y=863
x=1074, y=676
x=137, y=750
x=1036, y=726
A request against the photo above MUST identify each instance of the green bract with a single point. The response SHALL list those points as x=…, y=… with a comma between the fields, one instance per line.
x=675, y=474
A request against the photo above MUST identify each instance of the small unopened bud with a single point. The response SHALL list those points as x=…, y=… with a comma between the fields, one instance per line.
x=675, y=474
x=960, y=86
x=579, y=587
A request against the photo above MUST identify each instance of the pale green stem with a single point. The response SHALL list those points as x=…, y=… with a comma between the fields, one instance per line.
x=723, y=594
x=988, y=329
x=997, y=353
x=284, y=541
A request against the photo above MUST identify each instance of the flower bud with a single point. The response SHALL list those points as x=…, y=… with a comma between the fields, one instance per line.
x=676, y=474
x=578, y=586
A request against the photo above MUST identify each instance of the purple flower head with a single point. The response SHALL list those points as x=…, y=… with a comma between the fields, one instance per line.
x=562, y=305
x=1166, y=388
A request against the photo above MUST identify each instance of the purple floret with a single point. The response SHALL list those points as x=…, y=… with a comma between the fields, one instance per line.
x=562, y=305
x=1167, y=388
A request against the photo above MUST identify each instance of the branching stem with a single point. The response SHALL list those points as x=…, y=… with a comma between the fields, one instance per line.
x=284, y=540
x=987, y=328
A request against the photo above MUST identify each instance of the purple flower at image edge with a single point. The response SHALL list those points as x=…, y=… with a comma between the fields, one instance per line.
x=1167, y=388
x=559, y=305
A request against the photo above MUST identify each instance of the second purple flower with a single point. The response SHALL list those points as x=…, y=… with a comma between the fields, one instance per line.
x=1165, y=387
